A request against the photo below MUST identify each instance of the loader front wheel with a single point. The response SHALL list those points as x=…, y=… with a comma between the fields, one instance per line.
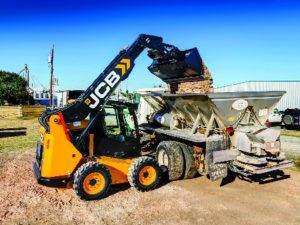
x=144, y=174
x=92, y=181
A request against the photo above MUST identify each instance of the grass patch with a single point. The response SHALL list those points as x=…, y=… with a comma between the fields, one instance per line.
x=296, y=160
x=18, y=134
x=27, y=117
x=292, y=133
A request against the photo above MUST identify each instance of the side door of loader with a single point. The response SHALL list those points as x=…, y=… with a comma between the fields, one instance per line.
x=120, y=139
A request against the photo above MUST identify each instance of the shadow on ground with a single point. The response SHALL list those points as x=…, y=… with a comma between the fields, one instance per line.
x=12, y=132
x=258, y=178
x=122, y=187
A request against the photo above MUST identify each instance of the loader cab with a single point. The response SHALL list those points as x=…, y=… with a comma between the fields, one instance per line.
x=115, y=131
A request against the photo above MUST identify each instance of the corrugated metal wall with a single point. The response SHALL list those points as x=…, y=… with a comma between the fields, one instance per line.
x=290, y=100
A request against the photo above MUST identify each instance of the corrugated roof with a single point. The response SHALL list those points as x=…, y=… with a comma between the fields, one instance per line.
x=258, y=81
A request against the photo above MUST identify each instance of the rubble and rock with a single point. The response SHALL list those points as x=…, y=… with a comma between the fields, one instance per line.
x=193, y=85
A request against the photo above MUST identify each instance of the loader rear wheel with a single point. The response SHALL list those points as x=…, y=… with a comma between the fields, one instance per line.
x=144, y=174
x=169, y=154
x=92, y=181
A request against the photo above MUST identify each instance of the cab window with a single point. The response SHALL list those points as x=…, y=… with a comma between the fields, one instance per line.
x=111, y=122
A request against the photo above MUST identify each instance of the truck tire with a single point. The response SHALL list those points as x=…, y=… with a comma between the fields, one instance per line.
x=288, y=120
x=190, y=170
x=169, y=154
x=92, y=181
x=144, y=174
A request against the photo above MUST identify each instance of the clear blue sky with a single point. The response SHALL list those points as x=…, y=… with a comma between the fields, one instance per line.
x=238, y=40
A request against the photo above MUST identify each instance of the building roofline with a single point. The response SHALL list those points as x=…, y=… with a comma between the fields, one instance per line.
x=248, y=81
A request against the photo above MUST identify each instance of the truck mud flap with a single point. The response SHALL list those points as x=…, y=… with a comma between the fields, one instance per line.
x=217, y=171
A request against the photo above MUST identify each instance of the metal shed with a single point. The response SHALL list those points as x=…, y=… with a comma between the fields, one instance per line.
x=290, y=100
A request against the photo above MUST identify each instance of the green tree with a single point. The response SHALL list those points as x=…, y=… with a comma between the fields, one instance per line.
x=12, y=88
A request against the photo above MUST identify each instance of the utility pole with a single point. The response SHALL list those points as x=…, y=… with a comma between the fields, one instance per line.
x=127, y=91
x=26, y=70
x=25, y=74
x=50, y=60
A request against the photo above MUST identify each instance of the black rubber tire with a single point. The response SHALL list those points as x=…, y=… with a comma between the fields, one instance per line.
x=288, y=120
x=136, y=167
x=80, y=175
x=190, y=170
x=175, y=158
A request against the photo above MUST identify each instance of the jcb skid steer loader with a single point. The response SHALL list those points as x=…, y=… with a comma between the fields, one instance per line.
x=94, y=143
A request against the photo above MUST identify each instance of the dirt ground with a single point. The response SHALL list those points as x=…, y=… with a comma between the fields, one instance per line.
x=195, y=201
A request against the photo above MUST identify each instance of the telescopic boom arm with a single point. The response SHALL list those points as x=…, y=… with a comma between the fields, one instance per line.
x=168, y=62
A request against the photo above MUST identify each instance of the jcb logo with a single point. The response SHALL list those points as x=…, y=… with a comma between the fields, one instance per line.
x=103, y=89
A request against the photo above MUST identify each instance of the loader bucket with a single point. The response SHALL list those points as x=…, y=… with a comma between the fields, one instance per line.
x=188, y=67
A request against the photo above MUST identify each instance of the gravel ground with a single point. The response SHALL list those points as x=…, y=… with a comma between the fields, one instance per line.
x=195, y=201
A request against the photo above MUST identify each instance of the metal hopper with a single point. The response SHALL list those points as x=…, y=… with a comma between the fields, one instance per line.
x=228, y=107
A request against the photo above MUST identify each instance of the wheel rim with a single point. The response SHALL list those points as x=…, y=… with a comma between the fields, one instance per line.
x=288, y=119
x=147, y=175
x=93, y=183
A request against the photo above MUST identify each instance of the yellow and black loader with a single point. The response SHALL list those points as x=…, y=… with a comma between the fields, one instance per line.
x=94, y=143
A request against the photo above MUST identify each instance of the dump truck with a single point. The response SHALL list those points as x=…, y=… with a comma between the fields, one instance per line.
x=94, y=143
x=212, y=133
